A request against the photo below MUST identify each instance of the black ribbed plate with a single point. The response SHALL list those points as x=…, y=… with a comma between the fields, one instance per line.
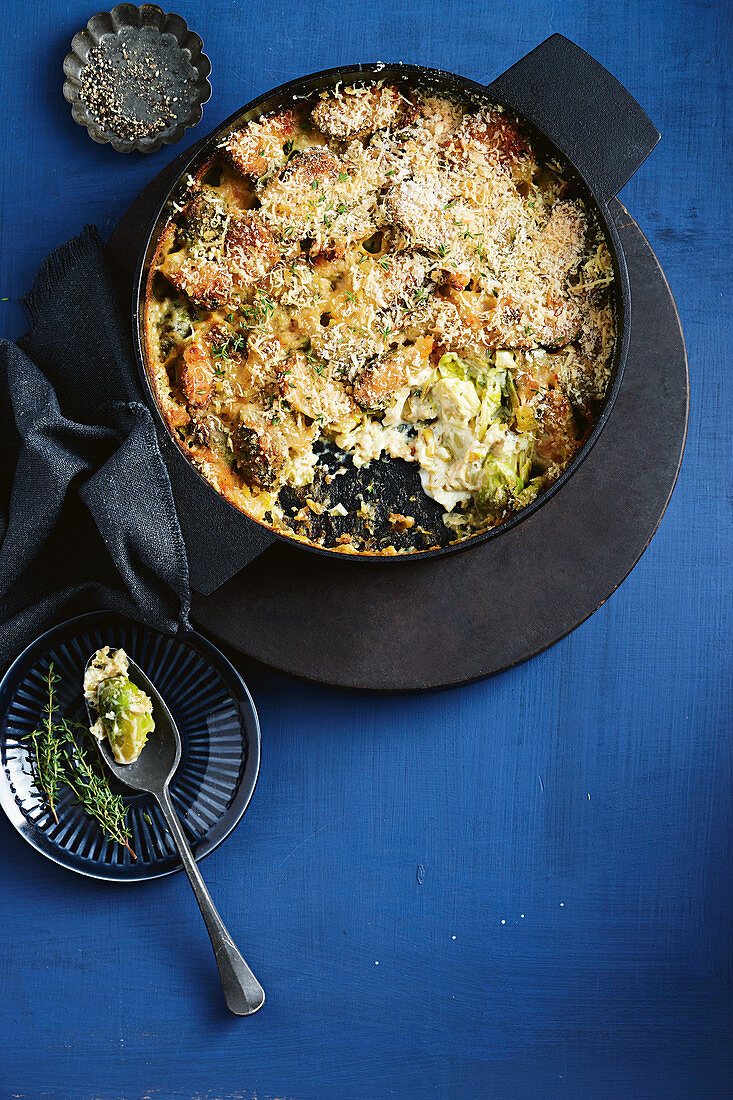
x=219, y=729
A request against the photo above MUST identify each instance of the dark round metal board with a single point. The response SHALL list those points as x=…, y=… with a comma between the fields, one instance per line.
x=464, y=616
x=212, y=785
x=450, y=620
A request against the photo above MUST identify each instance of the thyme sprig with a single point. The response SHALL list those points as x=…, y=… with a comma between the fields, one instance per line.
x=63, y=756
x=92, y=791
x=47, y=748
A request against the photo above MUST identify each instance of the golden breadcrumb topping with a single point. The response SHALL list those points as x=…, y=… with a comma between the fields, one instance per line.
x=380, y=274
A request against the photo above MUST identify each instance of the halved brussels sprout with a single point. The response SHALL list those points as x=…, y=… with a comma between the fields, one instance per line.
x=456, y=399
x=526, y=420
x=532, y=490
x=505, y=479
x=451, y=366
x=126, y=714
x=491, y=401
x=505, y=360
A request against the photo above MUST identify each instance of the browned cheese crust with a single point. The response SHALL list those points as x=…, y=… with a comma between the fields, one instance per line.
x=378, y=271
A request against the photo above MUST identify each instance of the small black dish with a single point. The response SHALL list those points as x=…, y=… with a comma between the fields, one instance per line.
x=212, y=785
x=136, y=78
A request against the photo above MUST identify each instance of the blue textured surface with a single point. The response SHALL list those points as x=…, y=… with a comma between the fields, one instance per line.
x=540, y=864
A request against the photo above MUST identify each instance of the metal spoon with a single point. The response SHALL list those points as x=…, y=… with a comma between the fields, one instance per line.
x=152, y=772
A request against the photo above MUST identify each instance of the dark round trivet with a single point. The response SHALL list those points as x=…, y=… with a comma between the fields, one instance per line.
x=136, y=77
x=447, y=621
x=455, y=619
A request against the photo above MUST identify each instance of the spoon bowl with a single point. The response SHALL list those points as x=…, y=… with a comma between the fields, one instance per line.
x=160, y=756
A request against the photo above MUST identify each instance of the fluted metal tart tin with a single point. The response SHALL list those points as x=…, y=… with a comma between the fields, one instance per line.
x=136, y=78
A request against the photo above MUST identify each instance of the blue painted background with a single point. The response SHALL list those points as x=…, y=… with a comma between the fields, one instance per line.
x=520, y=889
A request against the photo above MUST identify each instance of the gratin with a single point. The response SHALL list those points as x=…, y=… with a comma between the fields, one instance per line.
x=380, y=274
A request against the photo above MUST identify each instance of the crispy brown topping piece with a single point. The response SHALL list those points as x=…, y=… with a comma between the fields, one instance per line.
x=357, y=113
x=209, y=272
x=310, y=199
x=261, y=146
x=529, y=323
x=492, y=136
x=196, y=376
x=418, y=211
x=207, y=283
x=559, y=245
x=312, y=394
x=318, y=165
x=395, y=278
x=251, y=249
x=379, y=381
x=257, y=456
x=557, y=440
x=400, y=522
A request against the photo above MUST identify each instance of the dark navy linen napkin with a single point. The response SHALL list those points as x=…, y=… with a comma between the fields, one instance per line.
x=87, y=517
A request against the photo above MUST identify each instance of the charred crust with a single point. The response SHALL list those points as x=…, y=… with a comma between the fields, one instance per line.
x=254, y=457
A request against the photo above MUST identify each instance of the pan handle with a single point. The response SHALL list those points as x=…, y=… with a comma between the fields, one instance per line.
x=584, y=110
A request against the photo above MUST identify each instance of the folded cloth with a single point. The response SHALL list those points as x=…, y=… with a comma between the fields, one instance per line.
x=87, y=517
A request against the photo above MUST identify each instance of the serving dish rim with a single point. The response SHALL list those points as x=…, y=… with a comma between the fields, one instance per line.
x=300, y=88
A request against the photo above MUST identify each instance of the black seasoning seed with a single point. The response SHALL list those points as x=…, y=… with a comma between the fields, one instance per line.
x=126, y=85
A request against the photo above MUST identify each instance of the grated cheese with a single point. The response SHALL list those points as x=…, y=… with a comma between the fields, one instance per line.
x=330, y=257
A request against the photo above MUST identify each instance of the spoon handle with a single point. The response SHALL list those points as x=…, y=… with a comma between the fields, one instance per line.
x=242, y=992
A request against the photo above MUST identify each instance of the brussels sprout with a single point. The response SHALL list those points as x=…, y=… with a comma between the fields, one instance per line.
x=526, y=420
x=496, y=493
x=450, y=366
x=126, y=714
x=505, y=360
x=499, y=401
x=510, y=392
x=532, y=490
x=453, y=441
x=456, y=399
x=504, y=479
x=491, y=402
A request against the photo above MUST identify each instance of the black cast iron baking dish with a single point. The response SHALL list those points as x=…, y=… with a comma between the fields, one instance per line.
x=574, y=108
